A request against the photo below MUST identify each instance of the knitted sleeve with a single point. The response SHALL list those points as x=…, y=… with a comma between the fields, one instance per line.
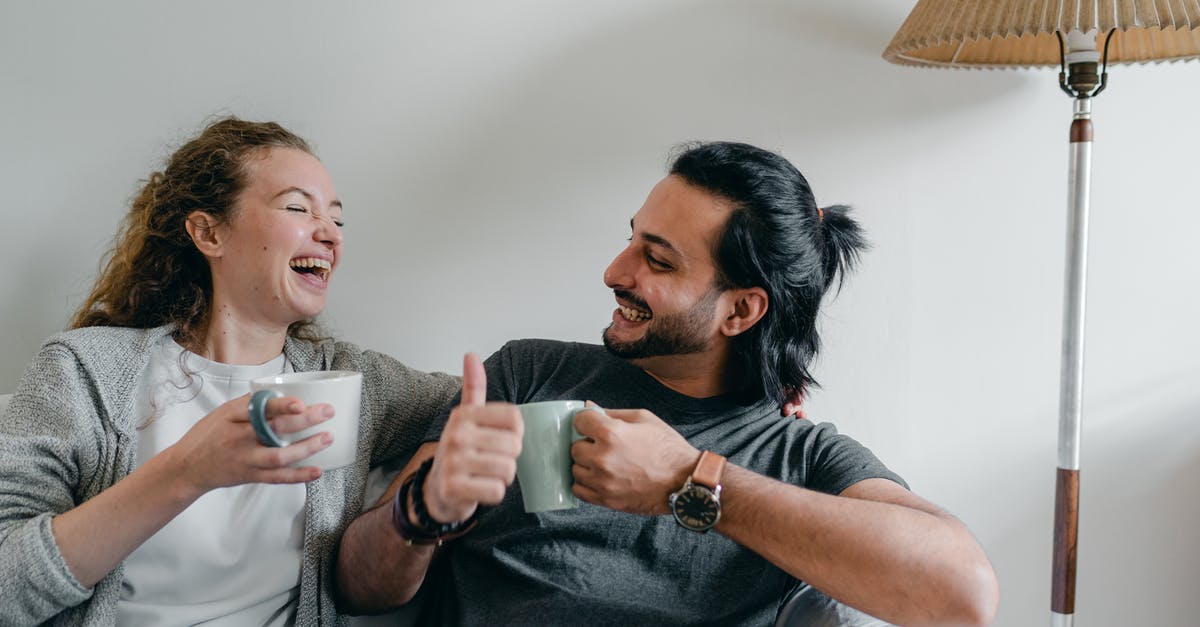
x=50, y=448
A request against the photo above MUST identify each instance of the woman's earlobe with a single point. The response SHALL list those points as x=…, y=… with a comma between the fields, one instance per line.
x=202, y=228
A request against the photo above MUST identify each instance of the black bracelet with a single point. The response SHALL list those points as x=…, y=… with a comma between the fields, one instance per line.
x=427, y=530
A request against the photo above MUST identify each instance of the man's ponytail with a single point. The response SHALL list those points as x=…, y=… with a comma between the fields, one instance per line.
x=844, y=242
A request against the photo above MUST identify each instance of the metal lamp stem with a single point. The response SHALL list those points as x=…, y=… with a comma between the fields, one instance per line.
x=1066, y=509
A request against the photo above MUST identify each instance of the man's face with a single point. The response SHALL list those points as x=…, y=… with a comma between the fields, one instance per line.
x=664, y=281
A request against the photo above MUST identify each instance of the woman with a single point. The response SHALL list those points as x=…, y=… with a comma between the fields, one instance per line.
x=132, y=488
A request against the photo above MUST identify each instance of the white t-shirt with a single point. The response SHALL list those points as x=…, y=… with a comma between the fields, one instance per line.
x=233, y=556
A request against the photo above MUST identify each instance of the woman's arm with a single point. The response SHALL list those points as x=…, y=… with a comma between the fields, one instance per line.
x=219, y=451
x=53, y=548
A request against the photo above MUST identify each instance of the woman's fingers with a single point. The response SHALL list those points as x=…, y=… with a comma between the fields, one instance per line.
x=275, y=457
x=303, y=474
x=292, y=422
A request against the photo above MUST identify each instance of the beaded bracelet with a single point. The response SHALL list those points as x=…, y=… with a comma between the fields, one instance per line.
x=427, y=530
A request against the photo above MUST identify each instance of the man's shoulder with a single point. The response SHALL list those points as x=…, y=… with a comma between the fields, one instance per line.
x=537, y=367
x=542, y=350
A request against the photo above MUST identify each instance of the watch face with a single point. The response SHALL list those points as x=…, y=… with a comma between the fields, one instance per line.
x=696, y=507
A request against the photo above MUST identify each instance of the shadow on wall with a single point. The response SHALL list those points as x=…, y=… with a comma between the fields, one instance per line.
x=1139, y=503
x=1139, y=500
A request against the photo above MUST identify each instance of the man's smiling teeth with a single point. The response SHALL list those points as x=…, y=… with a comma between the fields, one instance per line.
x=633, y=315
x=322, y=266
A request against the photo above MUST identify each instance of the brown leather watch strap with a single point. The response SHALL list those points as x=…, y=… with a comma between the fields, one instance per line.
x=709, y=470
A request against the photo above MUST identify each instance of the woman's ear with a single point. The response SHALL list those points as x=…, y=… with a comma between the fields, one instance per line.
x=749, y=306
x=203, y=230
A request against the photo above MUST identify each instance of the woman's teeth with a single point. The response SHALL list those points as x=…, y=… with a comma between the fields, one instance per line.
x=633, y=315
x=320, y=267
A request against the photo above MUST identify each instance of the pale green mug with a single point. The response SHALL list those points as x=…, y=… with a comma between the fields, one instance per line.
x=544, y=465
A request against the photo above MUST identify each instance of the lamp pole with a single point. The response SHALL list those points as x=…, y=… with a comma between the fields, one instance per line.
x=1080, y=79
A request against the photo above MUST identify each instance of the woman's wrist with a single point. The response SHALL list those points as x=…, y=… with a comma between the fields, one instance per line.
x=171, y=470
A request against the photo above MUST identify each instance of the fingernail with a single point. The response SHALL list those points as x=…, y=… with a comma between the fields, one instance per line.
x=295, y=408
x=327, y=439
x=328, y=411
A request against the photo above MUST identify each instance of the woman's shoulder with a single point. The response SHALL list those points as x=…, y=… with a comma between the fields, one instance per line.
x=106, y=344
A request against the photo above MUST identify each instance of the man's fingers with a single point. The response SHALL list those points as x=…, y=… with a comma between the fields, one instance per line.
x=486, y=490
x=624, y=415
x=590, y=420
x=474, y=389
x=585, y=493
x=498, y=415
x=491, y=466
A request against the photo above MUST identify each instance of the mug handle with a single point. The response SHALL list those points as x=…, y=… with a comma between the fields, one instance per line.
x=258, y=418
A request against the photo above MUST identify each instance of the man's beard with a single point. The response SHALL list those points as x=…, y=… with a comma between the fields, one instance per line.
x=670, y=334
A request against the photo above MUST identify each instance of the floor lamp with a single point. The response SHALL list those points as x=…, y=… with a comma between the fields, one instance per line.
x=1080, y=37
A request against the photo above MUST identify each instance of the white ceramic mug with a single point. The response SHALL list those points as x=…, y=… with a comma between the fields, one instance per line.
x=339, y=388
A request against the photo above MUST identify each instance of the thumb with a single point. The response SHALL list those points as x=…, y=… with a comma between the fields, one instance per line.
x=474, y=381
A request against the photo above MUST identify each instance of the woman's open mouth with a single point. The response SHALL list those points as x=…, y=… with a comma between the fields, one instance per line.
x=318, y=268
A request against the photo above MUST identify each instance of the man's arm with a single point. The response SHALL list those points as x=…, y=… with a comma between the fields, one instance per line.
x=475, y=462
x=377, y=570
x=876, y=547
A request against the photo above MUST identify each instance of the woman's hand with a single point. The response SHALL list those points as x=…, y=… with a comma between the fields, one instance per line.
x=221, y=450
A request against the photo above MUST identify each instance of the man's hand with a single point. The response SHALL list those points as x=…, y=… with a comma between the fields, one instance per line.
x=630, y=461
x=477, y=456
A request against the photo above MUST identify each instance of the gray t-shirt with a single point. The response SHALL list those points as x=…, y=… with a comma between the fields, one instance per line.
x=596, y=566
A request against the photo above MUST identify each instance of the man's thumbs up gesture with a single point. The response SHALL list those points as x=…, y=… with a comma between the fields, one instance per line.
x=476, y=458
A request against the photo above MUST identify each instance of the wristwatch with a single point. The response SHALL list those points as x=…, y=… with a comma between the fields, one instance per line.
x=697, y=505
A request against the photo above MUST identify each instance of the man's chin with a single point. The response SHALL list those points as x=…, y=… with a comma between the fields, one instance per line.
x=624, y=350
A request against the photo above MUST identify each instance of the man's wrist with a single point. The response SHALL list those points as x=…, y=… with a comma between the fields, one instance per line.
x=412, y=520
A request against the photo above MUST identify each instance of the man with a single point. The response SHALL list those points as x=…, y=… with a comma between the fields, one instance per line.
x=717, y=296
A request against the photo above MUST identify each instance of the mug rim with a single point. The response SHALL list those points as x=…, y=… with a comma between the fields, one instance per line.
x=548, y=403
x=307, y=377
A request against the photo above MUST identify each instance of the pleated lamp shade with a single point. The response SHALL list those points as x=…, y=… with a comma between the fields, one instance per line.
x=1020, y=33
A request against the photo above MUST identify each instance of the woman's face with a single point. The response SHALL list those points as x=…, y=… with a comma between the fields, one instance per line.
x=282, y=244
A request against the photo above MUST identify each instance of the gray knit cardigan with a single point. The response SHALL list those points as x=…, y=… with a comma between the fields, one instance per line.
x=70, y=432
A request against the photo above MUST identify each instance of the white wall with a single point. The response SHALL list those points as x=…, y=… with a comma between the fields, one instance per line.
x=491, y=153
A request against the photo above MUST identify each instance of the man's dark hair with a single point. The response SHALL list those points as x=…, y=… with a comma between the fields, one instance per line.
x=777, y=239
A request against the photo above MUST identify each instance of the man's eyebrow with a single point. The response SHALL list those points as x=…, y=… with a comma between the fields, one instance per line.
x=306, y=194
x=656, y=239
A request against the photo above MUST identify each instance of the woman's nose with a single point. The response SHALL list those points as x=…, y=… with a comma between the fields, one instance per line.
x=327, y=231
